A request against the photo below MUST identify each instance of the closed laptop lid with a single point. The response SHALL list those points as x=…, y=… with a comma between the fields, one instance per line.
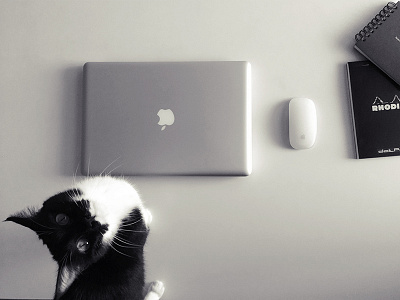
x=167, y=118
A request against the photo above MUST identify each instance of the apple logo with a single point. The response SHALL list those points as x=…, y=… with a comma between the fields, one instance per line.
x=167, y=118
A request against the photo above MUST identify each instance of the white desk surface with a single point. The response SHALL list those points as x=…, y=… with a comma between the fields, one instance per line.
x=312, y=224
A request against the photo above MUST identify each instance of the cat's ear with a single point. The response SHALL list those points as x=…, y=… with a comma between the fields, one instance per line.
x=25, y=218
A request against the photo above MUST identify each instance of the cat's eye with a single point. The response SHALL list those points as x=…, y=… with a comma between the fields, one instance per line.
x=82, y=245
x=62, y=219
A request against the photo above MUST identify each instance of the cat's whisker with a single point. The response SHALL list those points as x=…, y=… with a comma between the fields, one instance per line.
x=65, y=256
x=109, y=165
x=64, y=260
x=70, y=195
x=127, y=236
x=41, y=224
x=133, y=247
x=76, y=193
x=138, y=231
x=88, y=168
x=126, y=242
x=130, y=224
x=73, y=196
x=86, y=204
x=75, y=174
x=70, y=258
x=45, y=230
x=39, y=233
x=108, y=174
x=119, y=251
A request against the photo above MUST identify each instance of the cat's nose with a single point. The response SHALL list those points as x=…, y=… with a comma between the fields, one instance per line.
x=95, y=224
x=92, y=222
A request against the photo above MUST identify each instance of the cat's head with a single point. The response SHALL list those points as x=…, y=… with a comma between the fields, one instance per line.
x=81, y=224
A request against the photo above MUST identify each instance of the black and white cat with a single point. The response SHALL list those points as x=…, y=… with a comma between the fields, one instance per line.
x=96, y=232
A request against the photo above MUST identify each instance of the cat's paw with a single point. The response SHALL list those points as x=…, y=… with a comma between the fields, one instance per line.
x=147, y=217
x=157, y=287
x=155, y=290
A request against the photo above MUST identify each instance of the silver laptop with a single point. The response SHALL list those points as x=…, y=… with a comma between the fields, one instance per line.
x=167, y=118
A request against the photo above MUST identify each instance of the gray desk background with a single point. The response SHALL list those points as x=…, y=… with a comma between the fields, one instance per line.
x=314, y=224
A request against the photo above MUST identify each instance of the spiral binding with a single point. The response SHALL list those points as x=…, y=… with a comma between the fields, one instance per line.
x=376, y=22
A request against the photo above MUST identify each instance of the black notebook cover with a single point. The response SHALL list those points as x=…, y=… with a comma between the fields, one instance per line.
x=379, y=40
x=375, y=103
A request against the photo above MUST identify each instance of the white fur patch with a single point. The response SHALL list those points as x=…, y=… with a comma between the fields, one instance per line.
x=111, y=200
x=64, y=280
x=155, y=290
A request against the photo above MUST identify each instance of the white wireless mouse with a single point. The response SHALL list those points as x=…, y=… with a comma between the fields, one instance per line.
x=302, y=123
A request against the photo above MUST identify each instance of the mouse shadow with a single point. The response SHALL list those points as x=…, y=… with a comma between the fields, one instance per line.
x=278, y=123
x=72, y=120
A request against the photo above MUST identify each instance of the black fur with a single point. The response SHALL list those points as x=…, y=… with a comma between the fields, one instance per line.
x=106, y=272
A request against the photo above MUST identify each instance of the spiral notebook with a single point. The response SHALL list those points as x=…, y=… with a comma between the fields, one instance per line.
x=379, y=40
x=375, y=103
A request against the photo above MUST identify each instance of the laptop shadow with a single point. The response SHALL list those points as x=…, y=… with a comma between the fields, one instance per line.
x=72, y=119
